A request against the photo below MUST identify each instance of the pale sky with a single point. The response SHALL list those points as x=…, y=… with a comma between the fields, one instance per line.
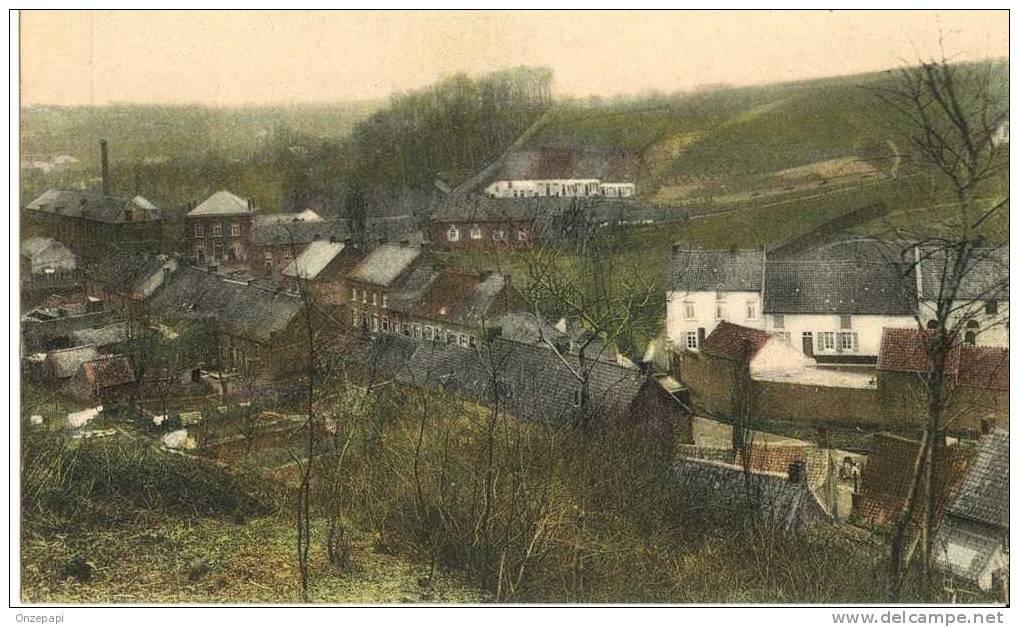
x=247, y=57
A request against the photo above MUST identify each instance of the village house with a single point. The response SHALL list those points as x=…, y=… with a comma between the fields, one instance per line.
x=768, y=355
x=320, y=267
x=706, y=287
x=275, y=244
x=104, y=379
x=45, y=255
x=980, y=306
x=490, y=224
x=93, y=221
x=371, y=284
x=976, y=375
x=217, y=230
x=62, y=364
x=972, y=543
x=571, y=171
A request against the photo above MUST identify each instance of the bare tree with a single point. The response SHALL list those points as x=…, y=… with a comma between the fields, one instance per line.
x=955, y=115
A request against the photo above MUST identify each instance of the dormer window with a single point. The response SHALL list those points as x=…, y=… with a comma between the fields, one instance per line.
x=475, y=232
x=453, y=234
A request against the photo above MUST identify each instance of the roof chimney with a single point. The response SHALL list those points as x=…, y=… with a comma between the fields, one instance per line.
x=798, y=472
x=104, y=161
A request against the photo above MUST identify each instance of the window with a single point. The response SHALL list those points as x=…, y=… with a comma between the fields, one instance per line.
x=475, y=232
x=778, y=321
x=417, y=331
x=751, y=310
x=691, y=339
x=238, y=250
x=406, y=329
x=288, y=253
x=576, y=398
x=267, y=255
x=375, y=322
x=199, y=231
x=217, y=229
x=463, y=340
x=385, y=301
x=218, y=250
x=991, y=308
x=453, y=234
x=522, y=235
x=784, y=335
x=845, y=322
x=353, y=294
x=689, y=312
x=971, y=338
x=826, y=341
x=199, y=250
x=429, y=333
x=385, y=323
x=472, y=341
x=364, y=297
x=375, y=299
x=498, y=235
x=353, y=318
x=720, y=308
x=847, y=342
x=235, y=229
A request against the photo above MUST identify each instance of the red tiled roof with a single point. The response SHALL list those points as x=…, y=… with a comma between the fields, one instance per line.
x=885, y=480
x=905, y=350
x=731, y=340
x=109, y=371
x=778, y=457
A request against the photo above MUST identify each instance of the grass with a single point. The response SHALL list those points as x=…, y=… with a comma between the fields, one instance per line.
x=212, y=561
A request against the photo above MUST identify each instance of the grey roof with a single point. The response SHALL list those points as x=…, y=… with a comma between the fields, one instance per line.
x=283, y=233
x=985, y=279
x=246, y=311
x=102, y=336
x=222, y=203
x=65, y=362
x=838, y=287
x=308, y=215
x=385, y=264
x=483, y=209
x=34, y=246
x=568, y=162
x=532, y=381
x=983, y=494
x=716, y=270
x=449, y=295
x=384, y=358
x=525, y=327
x=721, y=489
x=94, y=205
x=313, y=260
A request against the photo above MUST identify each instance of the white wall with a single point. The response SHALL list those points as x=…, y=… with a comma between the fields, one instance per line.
x=867, y=327
x=993, y=329
x=777, y=357
x=617, y=190
x=678, y=324
x=552, y=187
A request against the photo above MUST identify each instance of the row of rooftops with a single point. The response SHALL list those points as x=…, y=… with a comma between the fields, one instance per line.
x=836, y=279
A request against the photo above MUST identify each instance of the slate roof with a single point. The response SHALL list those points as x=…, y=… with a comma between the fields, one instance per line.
x=884, y=481
x=34, y=246
x=65, y=362
x=449, y=295
x=983, y=367
x=385, y=264
x=94, y=205
x=524, y=327
x=965, y=549
x=983, y=495
x=246, y=311
x=568, y=162
x=308, y=215
x=721, y=489
x=732, y=340
x=283, y=233
x=532, y=381
x=484, y=209
x=102, y=336
x=315, y=258
x=985, y=279
x=716, y=270
x=838, y=287
x=222, y=203
x=109, y=371
x=384, y=358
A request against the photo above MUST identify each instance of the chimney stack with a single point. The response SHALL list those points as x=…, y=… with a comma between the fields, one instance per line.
x=798, y=473
x=104, y=159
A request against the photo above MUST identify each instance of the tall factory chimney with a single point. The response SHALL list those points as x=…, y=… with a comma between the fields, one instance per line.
x=104, y=156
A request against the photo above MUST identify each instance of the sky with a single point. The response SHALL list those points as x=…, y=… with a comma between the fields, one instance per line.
x=228, y=58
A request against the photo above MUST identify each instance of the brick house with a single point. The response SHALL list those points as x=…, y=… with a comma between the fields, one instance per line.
x=275, y=244
x=218, y=230
x=103, y=379
x=370, y=286
x=490, y=224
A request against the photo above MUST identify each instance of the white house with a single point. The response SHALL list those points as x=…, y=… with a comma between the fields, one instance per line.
x=41, y=255
x=568, y=171
x=706, y=287
x=769, y=355
x=834, y=311
x=980, y=305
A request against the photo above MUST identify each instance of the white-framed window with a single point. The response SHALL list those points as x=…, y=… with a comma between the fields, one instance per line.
x=385, y=301
x=288, y=253
x=267, y=255
x=522, y=235
x=472, y=341
x=354, y=316
x=235, y=229
x=499, y=235
x=364, y=296
x=385, y=323
x=375, y=299
x=416, y=331
x=826, y=341
x=453, y=234
x=778, y=321
x=991, y=308
x=475, y=232
x=353, y=294
x=375, y=322
x=845, y=322
x=847, y=342
x=238, y=250
x=720, y=310
x=751, y=310
x=690, y=339
x=217, y=229
x=463, y=340
x=199, y=230
x=689, y=311
x=429, y=333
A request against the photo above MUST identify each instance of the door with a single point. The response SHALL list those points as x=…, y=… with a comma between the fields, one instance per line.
x=808, y=343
